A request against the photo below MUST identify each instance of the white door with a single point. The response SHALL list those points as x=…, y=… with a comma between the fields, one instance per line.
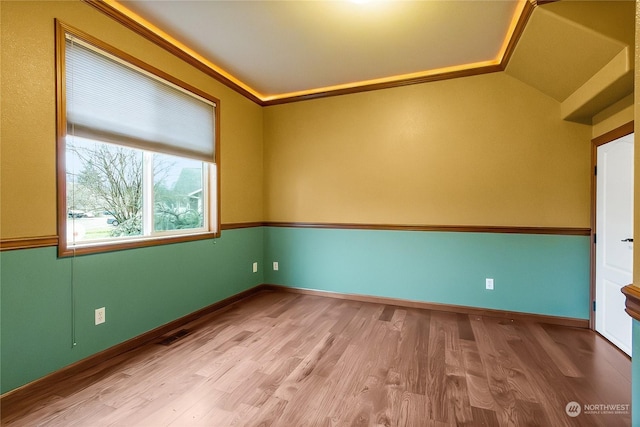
x=614, y=239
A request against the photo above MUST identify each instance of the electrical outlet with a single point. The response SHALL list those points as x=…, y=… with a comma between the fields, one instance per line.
x=275, y=265
x=100, y=315
x=255, y=267
x=489, y=284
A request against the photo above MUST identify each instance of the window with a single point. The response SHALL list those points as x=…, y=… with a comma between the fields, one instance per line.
x=137, y=151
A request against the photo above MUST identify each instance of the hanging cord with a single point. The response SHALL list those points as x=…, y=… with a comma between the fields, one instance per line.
x=73, y=300
x=70, y=140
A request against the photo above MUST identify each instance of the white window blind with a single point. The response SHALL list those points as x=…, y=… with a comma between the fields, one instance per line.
x=110, y=101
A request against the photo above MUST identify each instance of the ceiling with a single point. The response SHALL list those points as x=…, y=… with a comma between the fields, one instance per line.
x=578, y=52
x=285, y=49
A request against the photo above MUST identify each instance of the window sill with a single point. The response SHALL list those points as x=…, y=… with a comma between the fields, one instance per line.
x=131, y=244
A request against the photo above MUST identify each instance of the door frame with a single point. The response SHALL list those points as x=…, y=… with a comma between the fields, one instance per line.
x=624, y=130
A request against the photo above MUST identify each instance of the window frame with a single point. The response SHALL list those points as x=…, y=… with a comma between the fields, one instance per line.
x=213, y=210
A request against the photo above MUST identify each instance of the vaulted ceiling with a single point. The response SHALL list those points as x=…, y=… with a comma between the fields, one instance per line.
x=577, y=52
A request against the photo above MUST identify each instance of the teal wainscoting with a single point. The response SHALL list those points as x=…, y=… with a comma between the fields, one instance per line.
x=140, y=288
x=541, y=274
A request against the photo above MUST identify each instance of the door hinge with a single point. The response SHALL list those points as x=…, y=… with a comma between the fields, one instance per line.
x=595, y=170
x=594, y=238
x=594, y=306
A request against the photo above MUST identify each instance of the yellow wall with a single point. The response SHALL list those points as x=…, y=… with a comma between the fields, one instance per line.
x=28, y=161
x=483, y=150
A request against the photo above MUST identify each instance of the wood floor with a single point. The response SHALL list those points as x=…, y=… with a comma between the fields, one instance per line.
x=283, y=359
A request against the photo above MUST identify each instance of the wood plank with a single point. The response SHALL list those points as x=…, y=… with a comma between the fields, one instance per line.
x=269, y=414
x=502, y=333
x=493, y=366
x=484, y=417
x=436, y=372
x=413, y=354
x=465, y=332
x=556, y=354
x=387, y=313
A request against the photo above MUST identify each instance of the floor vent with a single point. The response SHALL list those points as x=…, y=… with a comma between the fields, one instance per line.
x=170, y=339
